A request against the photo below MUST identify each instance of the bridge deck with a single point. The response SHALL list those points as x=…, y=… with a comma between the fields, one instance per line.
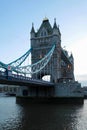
x=23, y=81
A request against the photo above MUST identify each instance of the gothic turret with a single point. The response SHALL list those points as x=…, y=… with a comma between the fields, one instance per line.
x=32, y=31
x=56, y=30
x=45, y=28
x=55, y=25
x=71, y=58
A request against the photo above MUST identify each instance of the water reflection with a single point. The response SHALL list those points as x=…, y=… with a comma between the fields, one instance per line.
x=50, y=117
x=10, y=114
x=14, y=116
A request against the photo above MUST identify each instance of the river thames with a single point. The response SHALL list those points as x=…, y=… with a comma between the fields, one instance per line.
x=14, y=116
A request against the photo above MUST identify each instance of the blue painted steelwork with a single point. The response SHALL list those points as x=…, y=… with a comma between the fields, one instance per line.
x=3, y=65
x=16, y=62
x=22, y=80
x=36, y=67
x=33, y=68
x=29, y=69
x=20, y=60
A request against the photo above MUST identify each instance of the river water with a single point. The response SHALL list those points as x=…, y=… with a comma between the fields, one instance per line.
x=14, y=116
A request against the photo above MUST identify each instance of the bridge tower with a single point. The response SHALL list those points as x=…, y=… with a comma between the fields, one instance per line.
x=41, y=43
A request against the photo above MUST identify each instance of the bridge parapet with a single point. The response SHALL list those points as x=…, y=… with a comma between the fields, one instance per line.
x=22, y=80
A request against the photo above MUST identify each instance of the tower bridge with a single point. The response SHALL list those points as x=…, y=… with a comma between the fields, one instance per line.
x=47, y=58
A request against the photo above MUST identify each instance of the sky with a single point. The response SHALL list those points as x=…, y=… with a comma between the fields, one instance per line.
x=16, y=17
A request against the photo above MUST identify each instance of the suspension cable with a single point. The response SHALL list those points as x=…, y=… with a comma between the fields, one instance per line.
x=20, y=60
x=36, y=67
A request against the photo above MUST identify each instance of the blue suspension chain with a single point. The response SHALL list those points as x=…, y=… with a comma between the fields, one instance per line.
x=36, y=67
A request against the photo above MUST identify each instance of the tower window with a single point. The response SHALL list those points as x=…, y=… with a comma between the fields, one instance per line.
x=43, y=33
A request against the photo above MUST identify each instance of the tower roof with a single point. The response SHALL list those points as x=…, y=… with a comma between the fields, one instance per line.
x=55, y=25
x=32, y=29
x=45, y=24
x=45, y=19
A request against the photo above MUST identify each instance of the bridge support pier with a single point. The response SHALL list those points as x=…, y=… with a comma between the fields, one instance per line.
x=35, y=91
x=22, y=91
x=60, y=93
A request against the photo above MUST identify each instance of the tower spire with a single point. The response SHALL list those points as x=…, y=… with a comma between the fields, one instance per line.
x=32, y=31
x=55, y=25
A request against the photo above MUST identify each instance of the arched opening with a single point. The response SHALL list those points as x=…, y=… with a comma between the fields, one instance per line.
x=46, y=78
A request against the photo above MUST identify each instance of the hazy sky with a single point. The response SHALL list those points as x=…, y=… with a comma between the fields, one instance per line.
x=16, y=17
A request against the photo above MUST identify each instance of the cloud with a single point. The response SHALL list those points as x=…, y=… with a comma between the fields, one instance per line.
x=79, y=50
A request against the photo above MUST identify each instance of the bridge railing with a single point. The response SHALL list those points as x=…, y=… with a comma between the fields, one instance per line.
x=15, y=77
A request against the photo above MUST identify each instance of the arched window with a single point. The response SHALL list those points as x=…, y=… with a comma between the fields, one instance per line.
x=43, y=33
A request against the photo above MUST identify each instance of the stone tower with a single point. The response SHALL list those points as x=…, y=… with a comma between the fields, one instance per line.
x=41, y=43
